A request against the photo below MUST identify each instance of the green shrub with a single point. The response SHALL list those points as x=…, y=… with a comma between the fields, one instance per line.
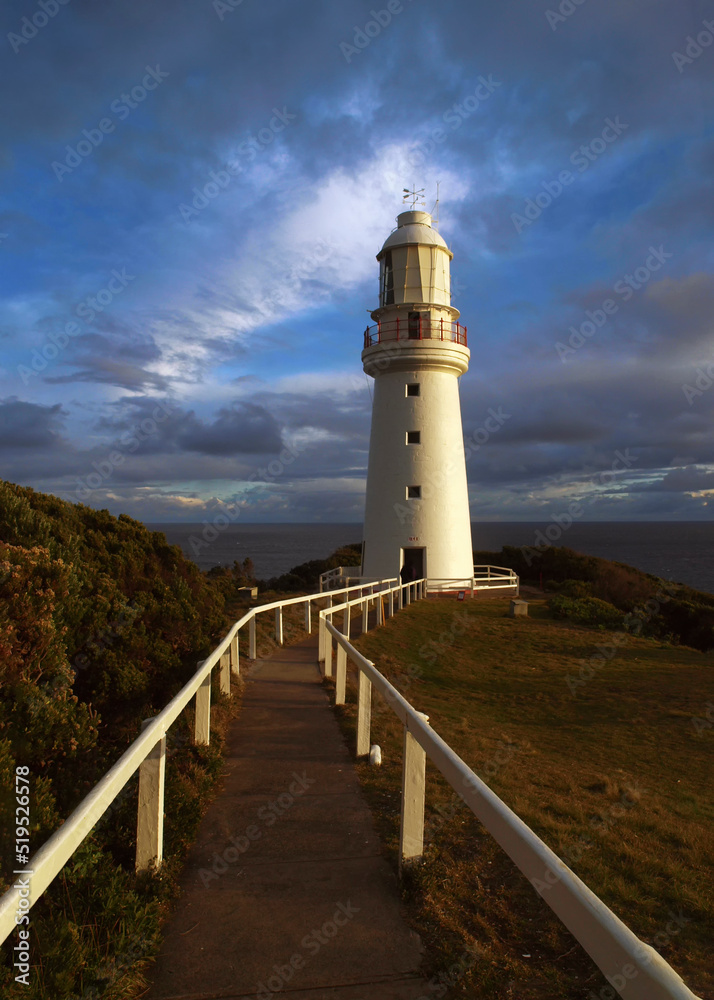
x=587, y=611
x=306, y=576
x=101, y=622
x=670, y=611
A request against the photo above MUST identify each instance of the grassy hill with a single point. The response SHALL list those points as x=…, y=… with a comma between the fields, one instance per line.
x=614, y=773
x=637, y=600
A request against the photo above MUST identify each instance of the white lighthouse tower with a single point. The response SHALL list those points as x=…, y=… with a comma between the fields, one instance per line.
x=417, y=507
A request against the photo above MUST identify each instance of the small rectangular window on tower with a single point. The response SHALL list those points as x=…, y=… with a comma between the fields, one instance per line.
x=413, y=492
x=413, y=437
x=413, y=389
x=388, y=278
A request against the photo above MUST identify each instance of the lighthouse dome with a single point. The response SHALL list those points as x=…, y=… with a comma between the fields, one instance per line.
x=413, y=227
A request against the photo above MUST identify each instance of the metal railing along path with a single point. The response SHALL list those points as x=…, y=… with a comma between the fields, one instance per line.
x=632, y=967
x=147, y=754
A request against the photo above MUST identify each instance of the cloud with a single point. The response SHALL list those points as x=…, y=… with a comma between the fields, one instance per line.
x=27, y=425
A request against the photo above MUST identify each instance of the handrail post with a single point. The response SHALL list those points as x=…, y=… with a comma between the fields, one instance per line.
x=328, y=653
x=252, y=651
x=365, y=615
x=346, y=621
x=321, y=629
x=202, y=724
x=279, y=625
x=411, y=833
x=330, y=603
x=409, y=593
x=341, y=675
x=226, y=674
x=364, y=713
x=150, y=812
x=308, y=618
x=235, y=655
x=380, y=610
x=391, y=603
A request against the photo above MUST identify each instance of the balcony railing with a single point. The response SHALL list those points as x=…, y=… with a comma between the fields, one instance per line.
x=415, y=328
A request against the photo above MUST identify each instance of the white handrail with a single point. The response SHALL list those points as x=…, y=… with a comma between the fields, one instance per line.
x=633, y=968
x=44, y=866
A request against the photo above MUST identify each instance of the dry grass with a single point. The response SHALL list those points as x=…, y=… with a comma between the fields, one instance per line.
x=614, y=778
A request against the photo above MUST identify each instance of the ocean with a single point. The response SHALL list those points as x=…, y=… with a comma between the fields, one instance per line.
x=674, y=550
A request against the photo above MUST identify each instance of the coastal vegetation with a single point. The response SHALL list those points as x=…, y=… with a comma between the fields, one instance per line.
x=101, y=623
x=625, y=596
x=598, y=739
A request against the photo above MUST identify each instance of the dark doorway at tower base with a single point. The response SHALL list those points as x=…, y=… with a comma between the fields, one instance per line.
x=414, y=562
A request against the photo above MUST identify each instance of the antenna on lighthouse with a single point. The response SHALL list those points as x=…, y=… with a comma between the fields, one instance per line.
x=435, y=210
x=414, y=196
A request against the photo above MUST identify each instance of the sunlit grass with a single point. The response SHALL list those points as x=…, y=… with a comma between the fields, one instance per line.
x=614, y=778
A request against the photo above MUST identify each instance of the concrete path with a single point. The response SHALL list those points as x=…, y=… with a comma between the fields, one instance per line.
x=286, y=888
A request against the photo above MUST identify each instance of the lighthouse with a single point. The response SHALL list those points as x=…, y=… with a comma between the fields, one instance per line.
x=417, y=505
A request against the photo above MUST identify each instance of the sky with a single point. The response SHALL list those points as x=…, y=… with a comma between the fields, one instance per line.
x=193, y=196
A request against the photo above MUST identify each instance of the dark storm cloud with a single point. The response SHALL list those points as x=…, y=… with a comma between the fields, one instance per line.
x=26, y=425
x=244, y=428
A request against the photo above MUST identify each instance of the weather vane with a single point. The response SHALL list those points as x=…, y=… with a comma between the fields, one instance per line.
x=414, y=196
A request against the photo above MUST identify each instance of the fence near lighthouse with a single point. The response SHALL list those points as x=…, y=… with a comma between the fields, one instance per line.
x=147, y=755
x=484, y=577
x=633, y=968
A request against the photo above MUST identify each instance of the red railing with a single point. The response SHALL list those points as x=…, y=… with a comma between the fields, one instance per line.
x=415, y=328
